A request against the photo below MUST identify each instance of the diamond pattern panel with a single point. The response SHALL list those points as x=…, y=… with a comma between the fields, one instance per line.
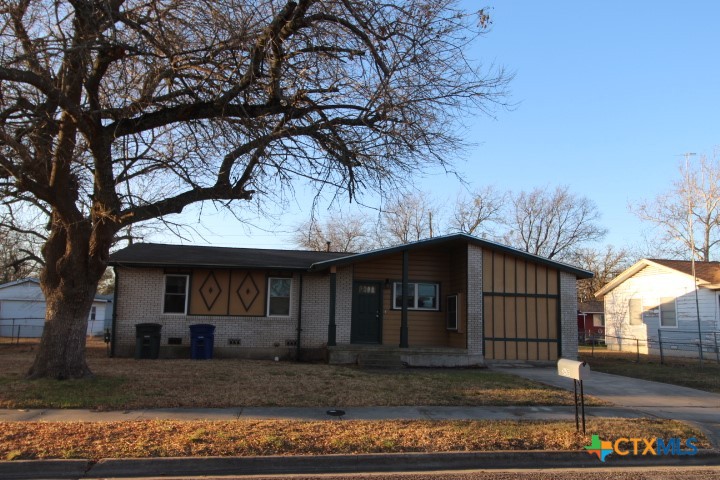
x=248, y=292
x=210, y=290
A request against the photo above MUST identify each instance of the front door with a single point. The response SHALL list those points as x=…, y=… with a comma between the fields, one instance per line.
x=367, y=313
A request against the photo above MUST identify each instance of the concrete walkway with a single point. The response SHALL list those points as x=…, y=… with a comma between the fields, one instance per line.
x=316, y=413
x=652, y=399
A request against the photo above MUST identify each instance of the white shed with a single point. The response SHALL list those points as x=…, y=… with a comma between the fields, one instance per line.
x=656, y=300
x=22, y=310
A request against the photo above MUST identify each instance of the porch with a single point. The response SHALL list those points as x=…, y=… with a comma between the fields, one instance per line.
x=386, y=356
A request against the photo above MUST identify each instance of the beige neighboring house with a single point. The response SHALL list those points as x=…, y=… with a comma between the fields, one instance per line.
x=655, y=300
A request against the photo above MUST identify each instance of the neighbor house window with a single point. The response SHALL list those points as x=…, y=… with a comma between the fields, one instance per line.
x=598, y=320
x=635, y=308
x=668, y=314
x=279, y=297
x=176, y=293
x=93, y=313
x=420, y=296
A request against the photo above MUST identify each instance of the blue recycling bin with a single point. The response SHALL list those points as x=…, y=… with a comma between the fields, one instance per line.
x=202, y=339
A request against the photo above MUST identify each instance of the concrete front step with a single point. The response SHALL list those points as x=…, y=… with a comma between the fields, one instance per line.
x=380, y=360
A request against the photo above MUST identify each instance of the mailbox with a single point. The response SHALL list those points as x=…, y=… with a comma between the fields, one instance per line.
x=573, y=369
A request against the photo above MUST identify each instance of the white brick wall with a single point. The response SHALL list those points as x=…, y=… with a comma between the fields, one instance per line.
x=474, y=301
x=140, y=299
x=568, y=315
x=343, y=305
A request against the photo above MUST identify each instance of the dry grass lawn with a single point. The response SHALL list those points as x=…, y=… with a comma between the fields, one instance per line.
x=271, y=437
x=685, y=372
x=123, y=383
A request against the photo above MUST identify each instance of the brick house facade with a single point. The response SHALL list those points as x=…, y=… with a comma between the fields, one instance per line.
x=465, y=300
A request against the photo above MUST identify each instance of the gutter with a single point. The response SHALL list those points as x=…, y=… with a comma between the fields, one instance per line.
x=114, y=311
x=299, y=325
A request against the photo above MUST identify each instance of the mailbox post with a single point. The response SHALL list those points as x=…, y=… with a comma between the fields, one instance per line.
x=577, y=371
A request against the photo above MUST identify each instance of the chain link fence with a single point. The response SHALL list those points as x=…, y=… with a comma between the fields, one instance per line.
x=675, y=343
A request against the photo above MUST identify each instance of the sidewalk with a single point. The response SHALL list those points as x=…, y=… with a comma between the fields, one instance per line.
x=648, y=398
x=318, y=413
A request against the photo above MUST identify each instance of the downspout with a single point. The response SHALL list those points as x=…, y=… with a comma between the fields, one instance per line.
x=299, y=325
x=332, y=327
x=114, y=312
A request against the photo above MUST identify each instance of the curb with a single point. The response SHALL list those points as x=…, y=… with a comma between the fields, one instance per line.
x=208, y=466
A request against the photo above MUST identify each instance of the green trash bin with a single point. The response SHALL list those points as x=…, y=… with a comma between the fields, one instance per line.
x=147, y=340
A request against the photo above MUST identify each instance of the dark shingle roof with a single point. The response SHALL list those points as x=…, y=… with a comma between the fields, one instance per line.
x=162, y=255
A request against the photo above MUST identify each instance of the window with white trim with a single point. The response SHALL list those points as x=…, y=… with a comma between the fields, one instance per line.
x=93, y=313
x=635, y=309
x=420, y=296
x=176, y=294
x=668, y=312
x=279, y=297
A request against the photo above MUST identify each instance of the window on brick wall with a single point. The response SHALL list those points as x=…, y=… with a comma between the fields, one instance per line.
x=279, y=297
x=176, y=293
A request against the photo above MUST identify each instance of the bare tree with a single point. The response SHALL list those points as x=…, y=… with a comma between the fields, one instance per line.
x=605, y=264
x=479, y=214
x=688, y=214
x=408, y=218
x=337, y=233
x=552, y=223
x=138, y=109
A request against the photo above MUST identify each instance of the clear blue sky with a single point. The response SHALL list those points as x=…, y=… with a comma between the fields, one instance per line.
x=608, y=95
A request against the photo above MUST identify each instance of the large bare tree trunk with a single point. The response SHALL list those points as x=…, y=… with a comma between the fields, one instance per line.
x=69, y=281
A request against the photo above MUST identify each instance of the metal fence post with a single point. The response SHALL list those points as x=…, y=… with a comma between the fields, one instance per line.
x=660, y=342
x=717, y=352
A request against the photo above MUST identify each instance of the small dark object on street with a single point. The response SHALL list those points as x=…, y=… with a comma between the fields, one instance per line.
x=336, y=413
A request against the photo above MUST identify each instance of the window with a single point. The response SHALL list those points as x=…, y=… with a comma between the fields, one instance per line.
x=279, y=297
x=598, y=320
x=452, y=312
x=668, y=315
x=635, y=308
x=175, y=294
x=93, y=313
x=420, y=296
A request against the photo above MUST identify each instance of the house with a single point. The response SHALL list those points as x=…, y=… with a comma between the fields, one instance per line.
x=22, y=310
x=591, y=321
x=467, y=300
x=655, y=300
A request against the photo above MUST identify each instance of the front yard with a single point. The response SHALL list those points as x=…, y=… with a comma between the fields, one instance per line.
x=123, y=383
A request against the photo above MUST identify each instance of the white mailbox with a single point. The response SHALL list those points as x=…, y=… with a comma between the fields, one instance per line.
x=573, y=369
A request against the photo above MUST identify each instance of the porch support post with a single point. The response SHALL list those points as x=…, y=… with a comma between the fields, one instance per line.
x=332, y=327
x=404, y=310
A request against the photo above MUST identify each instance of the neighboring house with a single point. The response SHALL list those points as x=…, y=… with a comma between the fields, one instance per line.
x=467, y=300
x=22, y=310
x=591, y=321
x=655, y=299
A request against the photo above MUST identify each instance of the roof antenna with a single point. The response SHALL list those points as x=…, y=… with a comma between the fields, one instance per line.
x=328, y=246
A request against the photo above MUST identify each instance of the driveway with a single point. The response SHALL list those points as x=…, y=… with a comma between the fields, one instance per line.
x=652, y=398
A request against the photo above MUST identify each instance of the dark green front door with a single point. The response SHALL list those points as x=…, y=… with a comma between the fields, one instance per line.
x=367, y=313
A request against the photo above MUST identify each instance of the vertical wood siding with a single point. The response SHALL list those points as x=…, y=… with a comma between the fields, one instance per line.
x=446, y=266
x=521, y=309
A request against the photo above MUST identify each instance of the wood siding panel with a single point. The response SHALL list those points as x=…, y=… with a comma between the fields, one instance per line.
x=209, y=290
x=243, y=288
x=521, y=316
x=446, y=266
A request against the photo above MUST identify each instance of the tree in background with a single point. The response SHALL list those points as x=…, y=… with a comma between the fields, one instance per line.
x=551, y=224
x=409, y=218
x=688, y=214
x=114, y=113
x=478, y=214
x=605, y=264
x=352, y=233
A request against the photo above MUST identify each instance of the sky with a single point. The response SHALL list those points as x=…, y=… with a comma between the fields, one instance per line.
x=607, y=97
